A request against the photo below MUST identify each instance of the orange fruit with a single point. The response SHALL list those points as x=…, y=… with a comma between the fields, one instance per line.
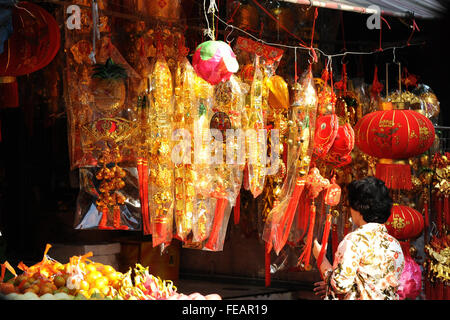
x=107, y=269
x=84, y=285
x=45, y=289
x=101, y=282
x=59, y=281
x=90, y=267
x=92, y=276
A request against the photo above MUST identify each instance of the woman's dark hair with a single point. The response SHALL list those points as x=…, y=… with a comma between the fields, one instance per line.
x=371, y=198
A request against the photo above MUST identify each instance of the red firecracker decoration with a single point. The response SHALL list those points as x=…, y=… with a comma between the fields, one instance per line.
x=394, y=135
x=404, y=223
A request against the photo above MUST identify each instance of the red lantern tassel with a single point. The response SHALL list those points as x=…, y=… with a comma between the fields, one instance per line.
x=285, y=226
x=426, y=214
x=439, y=214
x=395, y=176
x=447, y=292
x=440, y=290
x=267, y=265
x=446, y=212
x=217, y=224
x=326, y=233
x=306, y=254
x=237, y=209
x=146, y=212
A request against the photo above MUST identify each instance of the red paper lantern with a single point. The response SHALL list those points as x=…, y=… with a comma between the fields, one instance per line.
x=33, y=44
x=394, y=135
x=404, y=223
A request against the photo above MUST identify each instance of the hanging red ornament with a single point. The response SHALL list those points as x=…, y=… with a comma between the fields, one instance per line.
x=394, y=135
x=404, y=222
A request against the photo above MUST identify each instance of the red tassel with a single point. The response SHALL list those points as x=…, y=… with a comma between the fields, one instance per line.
x=217, y=224
x=395, y=176
x=447, y=292
x=306, y=254
x=104, y=219
x=285, y=226
x=446, y=212
x=440, y=290
x=237, y=209
x=326, y=233
x=116, y=222
x=267, y=265
x=145, y=195
x=439, y=215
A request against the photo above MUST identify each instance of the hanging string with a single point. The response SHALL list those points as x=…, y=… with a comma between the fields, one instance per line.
x=381, y=28
x=414, y=28
x=303, y=47
x=295, y=66
x=95, y=30
x=302, y=43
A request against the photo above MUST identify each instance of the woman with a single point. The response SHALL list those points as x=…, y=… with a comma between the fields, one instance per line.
x=368, y=262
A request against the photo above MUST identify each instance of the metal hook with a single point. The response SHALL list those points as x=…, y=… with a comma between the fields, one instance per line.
x=228, y=35
x=343, y=56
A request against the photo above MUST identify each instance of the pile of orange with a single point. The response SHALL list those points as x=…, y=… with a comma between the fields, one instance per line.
x=79, y=276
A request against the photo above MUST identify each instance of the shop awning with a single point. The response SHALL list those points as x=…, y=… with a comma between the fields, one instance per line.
x=425, y=9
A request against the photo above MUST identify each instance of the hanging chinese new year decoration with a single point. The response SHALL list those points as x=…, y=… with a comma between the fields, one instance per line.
x=214, y=61
x=300, y=138
x=437, y=268
x=394, y=135
x=33, y=44
x=404, y=222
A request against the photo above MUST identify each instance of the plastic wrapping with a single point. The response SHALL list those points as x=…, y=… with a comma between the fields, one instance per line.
x=256, y=135
x=102, y=124
x=89, y=217
x=161, y=178
x=301, y=135
x=203, y=172
x=184, y=174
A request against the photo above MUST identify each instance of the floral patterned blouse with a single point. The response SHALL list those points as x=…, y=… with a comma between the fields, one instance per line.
x=367, y=266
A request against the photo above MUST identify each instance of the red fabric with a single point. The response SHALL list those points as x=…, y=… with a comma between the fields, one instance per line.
x=394, y=134
x=324, y=135
x=237, y=209
x=217, y=224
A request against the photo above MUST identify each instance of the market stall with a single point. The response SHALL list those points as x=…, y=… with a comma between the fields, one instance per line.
x=194, y=140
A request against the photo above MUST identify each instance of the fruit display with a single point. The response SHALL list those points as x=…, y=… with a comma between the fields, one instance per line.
x=82, y=279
